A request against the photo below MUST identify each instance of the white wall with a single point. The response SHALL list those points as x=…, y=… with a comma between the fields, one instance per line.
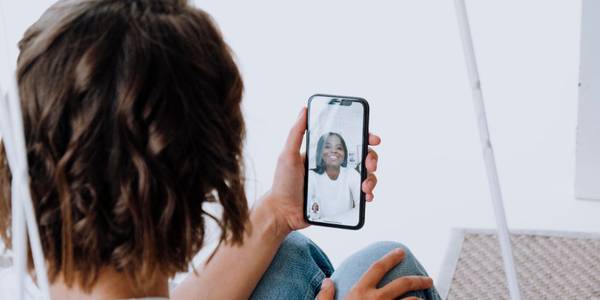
x=405, y=58
x=587, y=164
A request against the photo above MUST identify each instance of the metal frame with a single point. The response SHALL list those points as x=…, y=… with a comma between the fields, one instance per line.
x=488, y=150
x=24, y=223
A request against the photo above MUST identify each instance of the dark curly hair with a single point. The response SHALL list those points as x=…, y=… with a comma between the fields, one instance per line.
x=132, y=121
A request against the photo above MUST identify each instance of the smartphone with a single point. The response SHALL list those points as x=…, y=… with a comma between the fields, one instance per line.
x=336, y=148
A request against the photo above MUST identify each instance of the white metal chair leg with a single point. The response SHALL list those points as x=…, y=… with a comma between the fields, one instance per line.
x=488, y=151
x=23, y=214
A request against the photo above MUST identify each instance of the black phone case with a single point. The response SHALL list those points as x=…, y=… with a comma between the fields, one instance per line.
x=363, y=171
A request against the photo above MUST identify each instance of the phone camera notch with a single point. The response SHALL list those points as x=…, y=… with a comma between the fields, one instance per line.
x=341, y=102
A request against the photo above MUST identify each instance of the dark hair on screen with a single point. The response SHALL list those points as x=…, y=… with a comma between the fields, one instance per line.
x=320, y=168
x=133, y=121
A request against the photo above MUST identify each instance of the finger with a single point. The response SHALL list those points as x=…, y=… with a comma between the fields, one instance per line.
x=369, y=197
x=404, y=285
x=374, y=139
x=369, y=184
x=371, y=161
x=327, y=291
x=296, y=134
x=378, y=269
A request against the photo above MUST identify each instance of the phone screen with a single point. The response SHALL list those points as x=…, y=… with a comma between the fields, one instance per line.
x=336, y=148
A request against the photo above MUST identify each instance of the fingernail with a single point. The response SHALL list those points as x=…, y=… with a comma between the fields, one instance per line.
x=326, y=284
x=398, y=251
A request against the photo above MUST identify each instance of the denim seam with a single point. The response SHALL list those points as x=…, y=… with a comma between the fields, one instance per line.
x=314, y=281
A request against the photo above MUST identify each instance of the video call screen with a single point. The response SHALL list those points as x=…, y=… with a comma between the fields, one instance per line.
x=335, y=145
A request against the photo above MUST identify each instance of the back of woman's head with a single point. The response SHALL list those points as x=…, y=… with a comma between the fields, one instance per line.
x=132, y=120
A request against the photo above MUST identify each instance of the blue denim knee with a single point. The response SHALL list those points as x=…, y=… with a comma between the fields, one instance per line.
x=300, y=266
x=352, y=269
x=296, y=271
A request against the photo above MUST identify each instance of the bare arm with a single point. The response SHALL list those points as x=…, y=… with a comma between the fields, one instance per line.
x=234, y=271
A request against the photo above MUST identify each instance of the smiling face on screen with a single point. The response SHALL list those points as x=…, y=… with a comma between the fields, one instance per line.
x=333, y=151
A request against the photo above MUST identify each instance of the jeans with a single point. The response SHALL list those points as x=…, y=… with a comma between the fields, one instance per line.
x=300, y=266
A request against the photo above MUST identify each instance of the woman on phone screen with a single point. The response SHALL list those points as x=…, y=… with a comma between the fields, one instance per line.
x=338, y=185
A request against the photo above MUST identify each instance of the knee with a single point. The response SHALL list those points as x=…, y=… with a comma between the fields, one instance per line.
x=379, y=249
x=297, y=248
x=299, y=266
x=409, y=265
x=295, y=242
x=353, y=268
x=387, y=246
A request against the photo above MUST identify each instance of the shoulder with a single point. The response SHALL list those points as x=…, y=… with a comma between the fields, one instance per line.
x=351, y=173
x=313, y=174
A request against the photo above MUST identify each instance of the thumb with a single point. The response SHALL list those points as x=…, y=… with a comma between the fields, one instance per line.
x=327, y=290
x=294, y=140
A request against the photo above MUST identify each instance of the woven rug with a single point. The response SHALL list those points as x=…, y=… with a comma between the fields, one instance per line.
x=550, y=265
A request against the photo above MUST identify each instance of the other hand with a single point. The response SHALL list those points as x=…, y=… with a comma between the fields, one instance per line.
x=366, y=287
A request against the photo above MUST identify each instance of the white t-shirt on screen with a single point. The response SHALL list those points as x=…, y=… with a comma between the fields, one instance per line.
x=337, y=196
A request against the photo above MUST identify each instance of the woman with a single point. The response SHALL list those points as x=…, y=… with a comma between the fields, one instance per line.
x=133, y=122
x=333, y=187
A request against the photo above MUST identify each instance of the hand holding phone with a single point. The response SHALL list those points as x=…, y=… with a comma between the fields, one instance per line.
x=337, y=141
x=286, y=199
